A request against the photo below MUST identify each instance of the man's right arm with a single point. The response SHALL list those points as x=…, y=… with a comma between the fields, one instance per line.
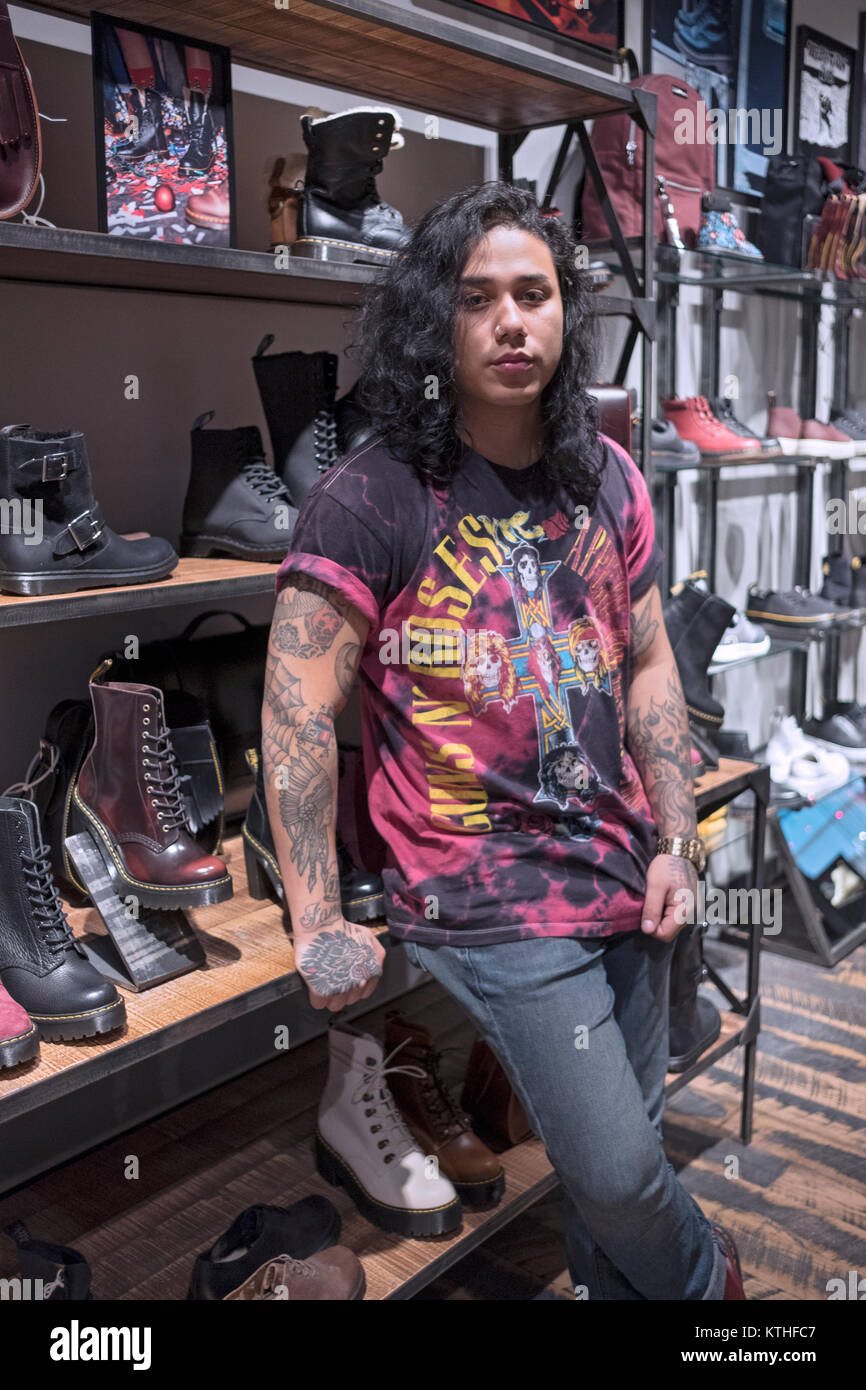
x=315, y=647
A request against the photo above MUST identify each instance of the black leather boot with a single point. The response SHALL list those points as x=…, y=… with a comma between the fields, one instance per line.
x=360, y=891
x=340, y=214
x=235, y=503
x=309, y=428
x=64, y=1272
x=151, y=131
x=695, y=621
x=42, y=966
x=695, y=1023
x=200, y=153
x=59, y=541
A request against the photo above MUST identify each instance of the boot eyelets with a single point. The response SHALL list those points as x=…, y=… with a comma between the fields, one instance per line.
x=165, y=829
x=146, y=708
x=145, y=721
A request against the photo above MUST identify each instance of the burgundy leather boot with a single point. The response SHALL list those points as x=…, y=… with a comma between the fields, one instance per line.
x=19, y=1040
x=129, y=795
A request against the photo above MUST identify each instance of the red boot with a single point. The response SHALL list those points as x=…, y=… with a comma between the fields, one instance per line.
x=693, y=419
x=19, y=1040
x=734, y=1275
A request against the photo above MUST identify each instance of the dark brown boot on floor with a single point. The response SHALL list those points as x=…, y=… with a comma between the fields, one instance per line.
x=434, y=1118
x=129, y=797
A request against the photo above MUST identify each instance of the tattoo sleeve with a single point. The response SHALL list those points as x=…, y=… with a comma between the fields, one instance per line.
x=658, y=740
x=314, y=651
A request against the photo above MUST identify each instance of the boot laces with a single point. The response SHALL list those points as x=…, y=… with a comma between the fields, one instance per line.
x=280, y=1270
x=168, y=784
x=439, y=1099
x=325, y=439
x=383, y=1108
x=263, y=480
x=45, y=902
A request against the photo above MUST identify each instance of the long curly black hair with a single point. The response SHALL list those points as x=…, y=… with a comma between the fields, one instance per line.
x=407, y=333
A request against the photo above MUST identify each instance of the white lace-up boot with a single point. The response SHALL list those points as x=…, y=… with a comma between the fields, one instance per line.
x=363, y=1145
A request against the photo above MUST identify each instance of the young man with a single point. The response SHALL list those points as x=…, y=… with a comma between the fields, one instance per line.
x=487, y=562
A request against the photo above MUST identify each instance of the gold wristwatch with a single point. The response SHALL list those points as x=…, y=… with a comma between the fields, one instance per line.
x=692, y=850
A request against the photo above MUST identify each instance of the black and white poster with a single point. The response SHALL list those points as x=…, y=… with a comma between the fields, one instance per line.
x=824, y=85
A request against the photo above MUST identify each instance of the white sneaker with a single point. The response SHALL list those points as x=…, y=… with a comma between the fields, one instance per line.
x=799, y=762
x=363, y=1144
x=740, y=639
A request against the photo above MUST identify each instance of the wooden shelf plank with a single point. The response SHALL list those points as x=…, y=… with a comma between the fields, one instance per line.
x=424, y=61
x=58, y=255
x=193, y=581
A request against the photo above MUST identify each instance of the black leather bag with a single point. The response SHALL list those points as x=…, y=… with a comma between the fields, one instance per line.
x=792, y=192
x=225, y=673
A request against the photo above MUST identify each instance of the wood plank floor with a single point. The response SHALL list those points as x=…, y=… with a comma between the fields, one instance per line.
x=795, y=1200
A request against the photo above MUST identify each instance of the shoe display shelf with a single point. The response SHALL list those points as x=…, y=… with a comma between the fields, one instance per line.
x=192, y=1033
x=742, y=1020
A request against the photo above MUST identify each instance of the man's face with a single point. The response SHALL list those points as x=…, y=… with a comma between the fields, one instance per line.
x=509, y=284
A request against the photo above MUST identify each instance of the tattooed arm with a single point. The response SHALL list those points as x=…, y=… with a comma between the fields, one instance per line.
x=657, y=735
x=315, y=647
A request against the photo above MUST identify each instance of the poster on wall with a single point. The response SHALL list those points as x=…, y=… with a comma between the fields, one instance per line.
x=734, y=53
x=823, y=96
x=858, y=116
x=594, y=23
x=163, y=135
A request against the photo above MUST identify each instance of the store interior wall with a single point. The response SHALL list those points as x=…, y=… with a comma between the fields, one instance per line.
x=74, y=347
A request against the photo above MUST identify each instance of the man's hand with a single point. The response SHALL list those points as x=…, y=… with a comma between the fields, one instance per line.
x=671, y=896
x=340, y=963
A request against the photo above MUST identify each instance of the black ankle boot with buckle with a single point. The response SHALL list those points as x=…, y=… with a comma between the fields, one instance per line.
x=58, y=541
x=42, y=966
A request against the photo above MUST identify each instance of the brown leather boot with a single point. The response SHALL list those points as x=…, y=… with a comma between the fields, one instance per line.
x=435, y=1120
x=334, y=1275
x=129, y=796
x=211, y=208
x=20, y=135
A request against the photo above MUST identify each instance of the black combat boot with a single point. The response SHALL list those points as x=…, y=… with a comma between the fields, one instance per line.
x=695, y=1023
x=340, y=214
x=360, y=891
x=695, y=621
x=309, y=428
x=42, y=966
x=200, y=153
x=235, y=503
x=57, y=540
x=151, y=131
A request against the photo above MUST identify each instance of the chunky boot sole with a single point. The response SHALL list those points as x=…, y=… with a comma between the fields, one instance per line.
x=341, y=252
x=159, y=895
x=480, y=1194
x=90, y=1024
x=263, y=875
x=404, y=1221
x=264, y=881
x=23, y=1048
x=28, y=585
x=201, y=219
x=203, y=547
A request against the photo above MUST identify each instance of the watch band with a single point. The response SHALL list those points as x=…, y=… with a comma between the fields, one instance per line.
x=693, y=849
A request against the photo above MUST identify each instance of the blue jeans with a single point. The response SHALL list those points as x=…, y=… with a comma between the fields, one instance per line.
x=581, y=1027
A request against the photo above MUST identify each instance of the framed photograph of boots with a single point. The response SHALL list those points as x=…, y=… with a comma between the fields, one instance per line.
x=165, y=154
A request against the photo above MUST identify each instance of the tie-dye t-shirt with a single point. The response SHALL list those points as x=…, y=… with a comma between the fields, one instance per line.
x=493, y=689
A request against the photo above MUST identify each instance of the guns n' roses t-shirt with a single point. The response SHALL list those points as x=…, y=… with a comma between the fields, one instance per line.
x=493, y=689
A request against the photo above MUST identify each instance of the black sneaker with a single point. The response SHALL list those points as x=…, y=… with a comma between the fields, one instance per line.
x=264, y=1233
x=794, y=610
x=839, y=588
x=852, y=423
x=666, y=445
x=724, y=411
x=840, y=734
